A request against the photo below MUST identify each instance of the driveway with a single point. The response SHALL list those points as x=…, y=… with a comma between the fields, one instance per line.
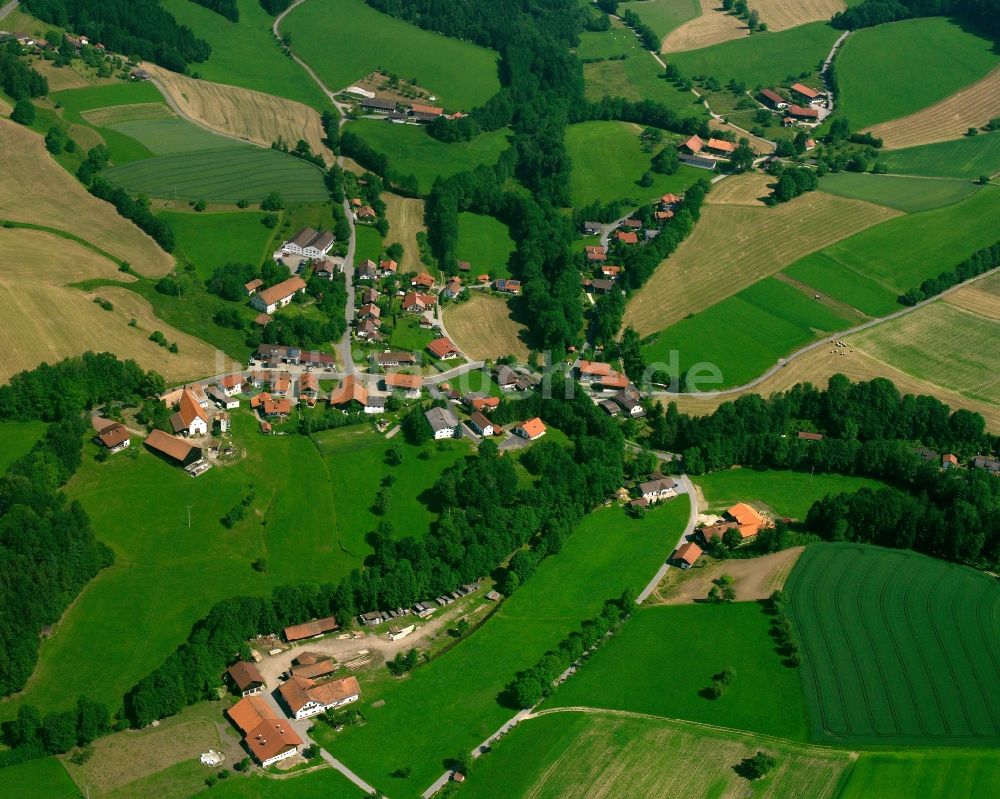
x=685, y=487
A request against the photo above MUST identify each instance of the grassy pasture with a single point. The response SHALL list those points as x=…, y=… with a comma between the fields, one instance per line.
x=450, y=705
x=408, y=335
x=585, y=755
x=761, y=60
x=355, y=457
x=39, y=779
x=323, y=784
x=367, y=243
x=484, y=329
x=734, y=246
x=17, y=439
x=173, y=136
x=921, y=663
x=930, y=774
x=918, y=63
x=212, y=240
x=662, y=16
x=827, y=275
x=907, y=194
x=608, y=161
x=485, y=243
x=745, y=334
x=346, y=41
x=942, y=345
x=246, y=54
x=785, y=493
x=665, y=656
x=225, y=176
x=412, y=150
x=967, y=158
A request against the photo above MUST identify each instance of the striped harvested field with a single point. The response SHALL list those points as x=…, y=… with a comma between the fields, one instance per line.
x=46, y=320
x=749, y=188
x=483, y=328
x=127, y=112
x=249, y=115
x=406, y=219
x=971, y=107
x=57, y=200
x=981, y=297
x=733, y=246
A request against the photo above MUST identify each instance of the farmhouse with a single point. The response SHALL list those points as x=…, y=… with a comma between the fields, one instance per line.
x=395, y=358
x=305, y=697
x=481, y=424
x=231, y=385
x=272, y=407
x=309, y=243
x=592, y=228
x=368, y=270
x=308, y=384
x=686, y=555
x=350, y=391
x=114, y=437
x=747, y=519
x=693, y=145
x=657, y=489
x=266, y=736
x=365, y=214
x=720, y=147
x=453, y=288
x=377, y=105
x=418, y=303
x=246, y=678
x=505, y=377
x=410, y=384
x=531, y=430
x=190, y=419
x=483, y=404
x=443, y=349
x=176, y=450
x=508, y=286
x=388, y=267
x=773, y=99
x=442, y=422
x=596, y=253
x=269, y=300
x=805, y=114
x=311, y=629
x=807, y=94
x=589, y=371
x=425, y=113
x=252, y=287
x=221, y=400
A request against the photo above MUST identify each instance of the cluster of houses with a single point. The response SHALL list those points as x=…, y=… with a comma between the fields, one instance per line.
x=808, y=106
x=705, y=153
x=951, y=461
x=402, y=113
x=37, y=43
x=741, y=518
x=599, y=376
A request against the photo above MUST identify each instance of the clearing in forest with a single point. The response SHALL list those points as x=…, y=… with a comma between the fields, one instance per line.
x=58, y=200
x=483, y=328
x=406, y=220
x=971, y=107
x=733, y=246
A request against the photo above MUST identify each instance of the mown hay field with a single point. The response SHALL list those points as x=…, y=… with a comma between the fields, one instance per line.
x=907, y=194
x=943, y=345
x=966, y=158
x=920, y=663
x=600, y=754
x=734, y=246
x=48, y=321
x=483, y=328
x=347, y=40
x=406, y=219
x=223, y=176
x=751, y=188
x=245, y=114
x=970, y=107
x=58, y=200
x=919, y=62
x=981, y=297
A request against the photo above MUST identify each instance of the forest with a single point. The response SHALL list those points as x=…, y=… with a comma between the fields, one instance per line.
x=17, y=79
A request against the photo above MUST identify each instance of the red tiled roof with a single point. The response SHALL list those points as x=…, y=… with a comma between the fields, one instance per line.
x=627, y=237
x=309, y=629
x=113, y=435
x=805, y=91
x=249, y=712
x=442, y=347
x=533, y=427
x=283, y=289
x=351, y=390
x=689, y=552
x=245, y=675
x=403, y=380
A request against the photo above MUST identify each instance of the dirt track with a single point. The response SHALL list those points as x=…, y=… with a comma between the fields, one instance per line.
x=755, y=578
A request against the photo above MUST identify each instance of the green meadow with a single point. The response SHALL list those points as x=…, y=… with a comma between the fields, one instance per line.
x=326, y=783
x=367, y=243
x=666, y=655
x=485, y=243
x=224, y=176
x=907, y=194
x=246, y=54
x=407, y=334
x=662, y=15
x=450, y=705
x=746, y=334
x=176, y=135
x=16, y=439
x=412, y=150
x=927, y=773
x=892, y=70
x=347, y=40
x=827, y=275
x=763, y=59
x=968, y=158
x=210, y=240
x=608, y=161
x=786, y=493
x=919, y=665
x=38, y=779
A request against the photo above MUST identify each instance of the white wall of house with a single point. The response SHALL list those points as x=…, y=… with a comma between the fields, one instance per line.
x=197, y=427
x=281, y=756
x=445, y=432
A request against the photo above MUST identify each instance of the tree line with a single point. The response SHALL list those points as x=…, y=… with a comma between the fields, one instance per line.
x=225, y=8
x=17, y=79
x=141, y=28
x=983, y=13
x=976, y=264
x=483, y=516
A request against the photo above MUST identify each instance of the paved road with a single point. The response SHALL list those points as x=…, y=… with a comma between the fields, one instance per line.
x=824, y=342
x=692, y=521
x=11, y=6
x=826, y=65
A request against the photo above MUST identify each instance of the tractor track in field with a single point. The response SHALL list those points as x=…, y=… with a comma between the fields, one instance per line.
x=874, y=648
x=975, y=672
x=923, y=661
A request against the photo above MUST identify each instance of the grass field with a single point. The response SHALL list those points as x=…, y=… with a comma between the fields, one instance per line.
x=167, y=574
x=608, y=161
x=323, y=784
x=16, y=439
x=37, y=282
x=665, y=657
x=599, y=754
x=224, y=176
x=760, y=60
x=209, y=240
x=897, y=647
x=788, y=494
x=408, y=335
x=907, y=194
x=346, y=41
x=58, y=200
x=450, y=705
x=968, y=108
x=406, y=219
x=257, y=117
x=745, y=334
x=662, y=16
x=734, y=246
x=827, y=275
x=942, y=345
x=967, y=158
x=356, y=456
x=246, y=54
x=919, y=63
x=412, y=150
x=485, y=243
x=929, y=774
x=39, y=779
x=483, y=328
x=367, y=243
x=173, y=136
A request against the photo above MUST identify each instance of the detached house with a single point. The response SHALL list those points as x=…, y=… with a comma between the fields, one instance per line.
x=351, y=392
x=481, y=424
x=627, y=237
x=269, y=300
x=686, y=555
x=305, y=697
x=410, y=385
x=190, y=419
x=418, y=303
x=657, y=489
x=452, y=288
x=114, y=437
x=508, y=286
x=443, y=349
x=423, y=281
x=442, y=422
x=531, y=430
x=596, y=254
x=266, y=736
x=231, y=385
